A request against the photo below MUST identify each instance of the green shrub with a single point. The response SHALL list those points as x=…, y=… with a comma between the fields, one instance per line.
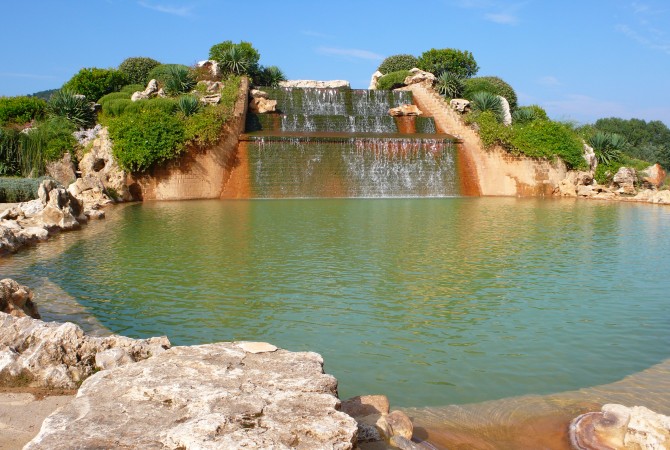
x=493, y=85
x=486, y=101
x=116, y=107
x=525, y=114
x=393, y=80
x=162, y=73
x=396, y=63
x=547, y=139
x=450, y=85
x=204, y=128
x=74, y=107
x=178, y=80
x=130, y=89
x=607, y=146
x=270, y=76
x=242, y=60
x=438, y=61
x=15, y=190
x=20, y=110
x=491, y=131
x=144, y=140
x=55, y=138
x=113, y=96
x=137, y=69
x=188, y=105
x=94, y=82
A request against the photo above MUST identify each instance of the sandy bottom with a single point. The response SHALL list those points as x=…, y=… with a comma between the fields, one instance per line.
x=22, y=413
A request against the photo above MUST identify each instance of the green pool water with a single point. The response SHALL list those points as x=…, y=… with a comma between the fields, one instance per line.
x=429, y=301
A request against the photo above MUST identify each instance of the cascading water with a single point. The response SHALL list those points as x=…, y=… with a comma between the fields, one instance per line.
x=342, y=143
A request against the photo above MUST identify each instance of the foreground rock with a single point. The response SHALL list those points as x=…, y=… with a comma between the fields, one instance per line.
x=205, y=397
x=405, y=110
x=306, y=84
x=54, y=355
x=17, y=300
x=418, y=76
x=100, y=170
x=260, y=103
x=377, y=424
x=619, y=427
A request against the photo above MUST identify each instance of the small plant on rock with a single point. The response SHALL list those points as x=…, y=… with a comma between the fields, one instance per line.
x=393, y=80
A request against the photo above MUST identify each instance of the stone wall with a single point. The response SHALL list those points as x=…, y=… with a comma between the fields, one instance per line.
x=495, y=171
x=198, y=173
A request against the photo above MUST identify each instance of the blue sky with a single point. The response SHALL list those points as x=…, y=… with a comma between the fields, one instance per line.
x=579, y=59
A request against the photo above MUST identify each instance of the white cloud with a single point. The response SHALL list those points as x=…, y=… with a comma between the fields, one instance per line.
x=181, y=11
x=503, y=18
x=549, y=80
x=317, y=34
x=655, y=42
x=350, y=52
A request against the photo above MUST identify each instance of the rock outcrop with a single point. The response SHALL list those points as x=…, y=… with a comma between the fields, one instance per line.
x=460, y=105
x=377, y=424
x=150, y=91
x=625, y=179
x=590, y=157
x=205, y=397
x=17, y=300
x=405, y=110
x=374, y=79
x=61, y=356
x=421, y=77
x=62, y=170
x=260, y=103
x=213, y=67
x=506, y=111
x=619, y=427
x=654, y=176
x=102, y=173
x=333, y=84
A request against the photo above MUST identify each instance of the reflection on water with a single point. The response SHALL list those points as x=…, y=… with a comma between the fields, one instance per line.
x=430, y=301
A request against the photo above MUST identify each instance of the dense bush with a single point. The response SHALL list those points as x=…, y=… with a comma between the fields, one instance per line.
x=438, y=61
x=234, y=58
x=21, y=110
x=204, y=129
x=143, y=140
x=393, y=80
x=94, y=82
x=130, y=89
x=491, y=130
x=162, y=73
x=605, y=172
x=77, y=109
x=547, y=139
x=15, y=190
x=450, y=85
x=396, y=63
x=116, y=107
x=493, y=85
x=113, y=96
x=137, y=69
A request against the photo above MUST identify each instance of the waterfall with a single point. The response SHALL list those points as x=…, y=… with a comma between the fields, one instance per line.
x=343, y=143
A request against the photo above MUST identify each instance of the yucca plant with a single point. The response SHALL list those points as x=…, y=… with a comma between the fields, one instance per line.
x=235, y=61
x=66, y=103
x=485, y=101
x=450, y=85
x=179, y=80
x=607, y=146
x=524, y=115
x=188, y=104
x=273, y=75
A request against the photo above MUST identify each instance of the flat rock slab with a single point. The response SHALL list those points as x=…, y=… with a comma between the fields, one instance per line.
x=205, y=397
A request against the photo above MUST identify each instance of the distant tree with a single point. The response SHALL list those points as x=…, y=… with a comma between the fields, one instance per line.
x=649, y=141
x=136, y=69
x=93, y=82
x=239, y=58
x=438, y=61
x=44, y=95
x=396, y=63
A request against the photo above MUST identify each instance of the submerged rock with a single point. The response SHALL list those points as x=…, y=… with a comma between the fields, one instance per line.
x=205, y=397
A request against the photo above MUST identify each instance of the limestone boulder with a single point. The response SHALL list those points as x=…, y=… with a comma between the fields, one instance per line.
x=9, y=242
x=138, y=95
x=314, y=84
x=625, y=176
x=54, y=355
x=374, y=79
x=150, y=91
x=418, y=76
x=211, y=87
x=62, y=170
x=257, y=93
x=654, y=176
x=620, y=427
x=211, y=99
x=213, y=67
x=405, y=110
x=99, y=168
x=205, y=397
x=262, y=105
x=590, y=157
x=506, y=111
x=460, y=105
x=17, y=300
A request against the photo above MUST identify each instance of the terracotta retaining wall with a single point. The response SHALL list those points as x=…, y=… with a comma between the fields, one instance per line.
x=198, y=173
x=489, y=171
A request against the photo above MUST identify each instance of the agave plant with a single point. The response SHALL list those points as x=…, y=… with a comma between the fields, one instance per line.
x=607, y=146
x=524, y=115
x=179, y=80
x=235, y=61
x=273, y=75
x=188, y=104
x=450, y=85
x=485, y=101
x=66, y=103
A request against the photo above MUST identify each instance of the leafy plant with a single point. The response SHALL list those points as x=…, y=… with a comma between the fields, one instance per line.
x=607, y=146
x=74, y=107
x=234, y=61
x=486, y=101
x=243, y=60
x=137, y=69
x=143, y=140
x=393, y=80
x=547, y=139
x=271, y=76
x=162, y=73
x=438, y=61
x=93, y=82
x=179, y=80
x=490, y=130
x=450, y=85
x=493, y=85
x=204, y=128
x=525, y=114
x=395, y=63
x=188, y=105
x=21, y=110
